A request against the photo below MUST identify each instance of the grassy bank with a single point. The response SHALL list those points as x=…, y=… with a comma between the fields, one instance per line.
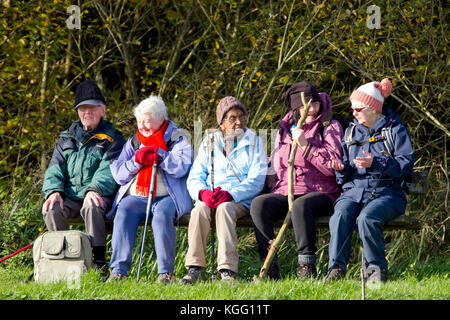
x=427, y=281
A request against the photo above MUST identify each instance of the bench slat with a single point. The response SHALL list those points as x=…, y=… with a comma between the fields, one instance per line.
x=402, y=222
x=418, y=184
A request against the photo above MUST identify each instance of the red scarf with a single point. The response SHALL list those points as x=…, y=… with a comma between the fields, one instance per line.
x=145, y=174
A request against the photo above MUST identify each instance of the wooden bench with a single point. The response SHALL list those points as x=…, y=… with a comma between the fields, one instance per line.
x=417, y=185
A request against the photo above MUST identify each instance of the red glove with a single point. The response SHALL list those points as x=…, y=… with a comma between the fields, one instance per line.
x=207, y=196
x=146, y=156
x=221, y=196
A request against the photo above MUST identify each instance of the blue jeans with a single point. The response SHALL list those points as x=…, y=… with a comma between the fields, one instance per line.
x=370, y=221
x=130, y=212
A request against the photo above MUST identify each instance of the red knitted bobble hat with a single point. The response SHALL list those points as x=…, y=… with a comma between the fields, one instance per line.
x=373, y=94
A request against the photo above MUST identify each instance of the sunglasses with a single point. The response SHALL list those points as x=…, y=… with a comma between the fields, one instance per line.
x=358, y=109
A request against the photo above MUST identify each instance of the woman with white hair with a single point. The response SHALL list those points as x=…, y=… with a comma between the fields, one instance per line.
x=156, y=139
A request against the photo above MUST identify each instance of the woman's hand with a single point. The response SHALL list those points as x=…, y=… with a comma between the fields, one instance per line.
x=364, y=162
x=336, y=164
x=146, y=156
x=298, y=135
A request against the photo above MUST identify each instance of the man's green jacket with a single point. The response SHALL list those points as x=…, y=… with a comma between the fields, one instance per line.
x=81, y=159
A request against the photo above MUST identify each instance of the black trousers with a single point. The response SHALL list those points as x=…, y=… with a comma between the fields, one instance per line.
x=269, y=207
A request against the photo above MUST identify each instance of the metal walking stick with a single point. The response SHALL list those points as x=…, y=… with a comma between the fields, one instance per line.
x=147, y=214
x=210, y=134
x=287, y=220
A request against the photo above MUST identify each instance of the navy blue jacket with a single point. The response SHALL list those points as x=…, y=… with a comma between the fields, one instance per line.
x=387, y=171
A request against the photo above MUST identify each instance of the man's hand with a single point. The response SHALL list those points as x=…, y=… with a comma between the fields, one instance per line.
x=93, y=198
x=364, y=162
x=50, y=202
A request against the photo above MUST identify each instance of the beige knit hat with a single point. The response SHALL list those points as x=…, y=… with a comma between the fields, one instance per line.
x=225, y=105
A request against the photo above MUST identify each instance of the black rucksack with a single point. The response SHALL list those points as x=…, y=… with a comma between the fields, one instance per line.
x=329, y=117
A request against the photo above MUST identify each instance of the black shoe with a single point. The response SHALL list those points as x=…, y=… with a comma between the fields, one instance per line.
x=227, y=275
x=101, y=266
x=274, y=271
x=194, y=274
x=99, y=253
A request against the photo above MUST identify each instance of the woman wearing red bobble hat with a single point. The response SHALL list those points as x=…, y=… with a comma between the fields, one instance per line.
x=378, y=154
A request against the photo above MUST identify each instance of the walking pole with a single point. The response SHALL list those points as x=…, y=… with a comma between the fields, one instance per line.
x=16, y=252
x=210, y=133
x=363, y=282
x=147, y=213
x=287, y=220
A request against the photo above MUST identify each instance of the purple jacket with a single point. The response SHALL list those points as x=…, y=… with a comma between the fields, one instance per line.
x=174, y=168
x=311, y=166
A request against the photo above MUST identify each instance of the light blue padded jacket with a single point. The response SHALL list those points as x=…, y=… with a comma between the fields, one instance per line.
x=242, y=173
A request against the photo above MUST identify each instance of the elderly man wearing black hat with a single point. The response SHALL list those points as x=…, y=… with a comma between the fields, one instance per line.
x=78, y=180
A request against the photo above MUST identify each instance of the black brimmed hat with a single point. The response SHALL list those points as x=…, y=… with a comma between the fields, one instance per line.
x=293, y=100
x=88, y=93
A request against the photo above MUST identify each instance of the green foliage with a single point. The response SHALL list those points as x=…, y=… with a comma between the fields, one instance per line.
x=193, y=53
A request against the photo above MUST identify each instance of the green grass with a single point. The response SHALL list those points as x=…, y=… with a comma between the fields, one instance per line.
x=412, y=276
x=425, y=282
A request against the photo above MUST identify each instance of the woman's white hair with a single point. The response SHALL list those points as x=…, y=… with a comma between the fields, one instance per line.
x=152, y=105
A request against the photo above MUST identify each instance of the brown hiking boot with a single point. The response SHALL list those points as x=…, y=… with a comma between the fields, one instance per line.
x=166, y=278
x=306, y=270
x=336, y=273
x=116, y=277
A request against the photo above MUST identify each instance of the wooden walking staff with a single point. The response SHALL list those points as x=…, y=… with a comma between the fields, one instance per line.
x=274, y=246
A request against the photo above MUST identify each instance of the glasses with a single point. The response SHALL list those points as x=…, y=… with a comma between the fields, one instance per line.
x=233, y=120
x=358, y=109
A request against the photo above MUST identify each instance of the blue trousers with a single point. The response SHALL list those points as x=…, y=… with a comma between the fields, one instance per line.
x=370, y=221
x=131, y=212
